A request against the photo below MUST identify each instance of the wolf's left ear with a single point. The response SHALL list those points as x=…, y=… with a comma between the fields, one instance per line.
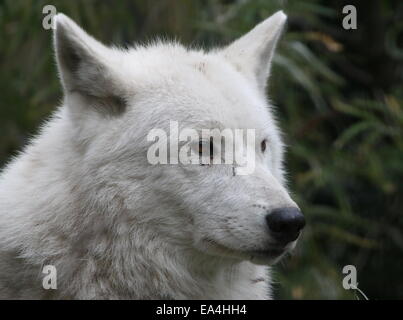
x=252, y=53
x=86, y=66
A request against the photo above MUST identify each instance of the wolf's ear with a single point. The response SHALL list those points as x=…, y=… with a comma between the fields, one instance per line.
x=85, y=65
x=252, y=53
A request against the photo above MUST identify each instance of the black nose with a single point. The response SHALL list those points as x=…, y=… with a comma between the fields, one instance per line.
x=285, y=223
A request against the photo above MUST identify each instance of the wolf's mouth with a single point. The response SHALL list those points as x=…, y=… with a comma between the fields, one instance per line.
x=270, y=256
x=265, y=257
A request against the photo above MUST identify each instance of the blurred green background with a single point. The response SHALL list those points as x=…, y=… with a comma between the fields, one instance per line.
x=340, y=101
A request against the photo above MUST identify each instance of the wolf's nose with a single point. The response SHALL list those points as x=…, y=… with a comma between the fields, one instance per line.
x=285, y=223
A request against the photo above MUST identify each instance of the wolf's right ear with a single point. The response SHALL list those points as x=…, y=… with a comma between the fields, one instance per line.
x=85, y=65
x=253, y=52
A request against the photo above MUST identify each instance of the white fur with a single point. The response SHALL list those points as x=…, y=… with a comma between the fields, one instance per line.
x=83, y=197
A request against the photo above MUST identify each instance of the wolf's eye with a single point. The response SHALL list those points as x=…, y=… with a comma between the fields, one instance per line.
x=263, y=145
x=203, y=145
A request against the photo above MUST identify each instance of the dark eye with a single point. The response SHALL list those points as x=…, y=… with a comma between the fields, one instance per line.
x=203, y=145
x=263, y=145
x=211, y=148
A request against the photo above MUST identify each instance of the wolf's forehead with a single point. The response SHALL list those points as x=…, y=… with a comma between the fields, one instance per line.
x=231, y=97
x=195, y=85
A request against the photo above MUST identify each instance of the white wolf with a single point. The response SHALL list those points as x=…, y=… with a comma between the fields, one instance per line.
x=83, y=198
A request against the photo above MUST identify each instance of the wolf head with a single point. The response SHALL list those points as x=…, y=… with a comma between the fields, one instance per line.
x=115, y=97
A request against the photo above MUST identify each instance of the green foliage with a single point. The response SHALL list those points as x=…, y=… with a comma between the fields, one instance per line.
x=338, y=93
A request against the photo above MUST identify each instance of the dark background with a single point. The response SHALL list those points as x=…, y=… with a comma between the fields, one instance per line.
x=339, y=96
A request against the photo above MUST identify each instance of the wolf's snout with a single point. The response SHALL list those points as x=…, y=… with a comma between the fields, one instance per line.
x=285, y=223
